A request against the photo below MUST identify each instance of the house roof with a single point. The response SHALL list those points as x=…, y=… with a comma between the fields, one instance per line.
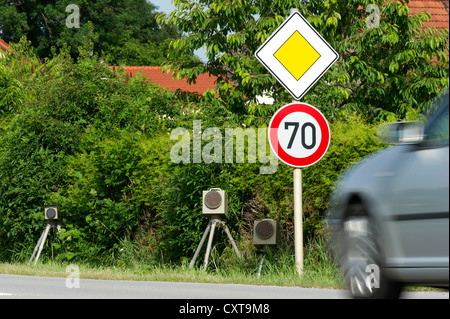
x=156, y=75
x=437, y=8
x=3, y=45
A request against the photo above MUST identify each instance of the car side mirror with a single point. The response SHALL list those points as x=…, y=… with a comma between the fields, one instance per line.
x=401, y=132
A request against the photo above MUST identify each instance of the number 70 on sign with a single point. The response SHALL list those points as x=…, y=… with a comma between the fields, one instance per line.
x=299, y=134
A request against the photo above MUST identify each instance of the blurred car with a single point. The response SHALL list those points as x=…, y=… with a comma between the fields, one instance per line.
x=390, y=211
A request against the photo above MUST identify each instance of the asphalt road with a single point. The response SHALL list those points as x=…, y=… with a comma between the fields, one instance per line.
x=30, y=287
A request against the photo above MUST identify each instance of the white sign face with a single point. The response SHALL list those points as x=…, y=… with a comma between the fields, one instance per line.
x=299, y=134
x=296, y=55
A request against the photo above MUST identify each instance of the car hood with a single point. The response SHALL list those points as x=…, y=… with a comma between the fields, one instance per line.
x=364, y=177
x=379, y=164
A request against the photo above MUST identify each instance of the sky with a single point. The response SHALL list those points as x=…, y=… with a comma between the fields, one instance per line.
x=167, y=6
x=164, y=5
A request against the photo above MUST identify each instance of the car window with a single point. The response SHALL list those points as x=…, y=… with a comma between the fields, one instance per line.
x=437, y=130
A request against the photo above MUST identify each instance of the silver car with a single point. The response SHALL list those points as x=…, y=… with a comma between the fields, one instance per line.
x=390, y=212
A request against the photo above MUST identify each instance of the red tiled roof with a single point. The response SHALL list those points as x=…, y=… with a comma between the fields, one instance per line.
x=156, y=75
x=4, y=45
x=437, y=8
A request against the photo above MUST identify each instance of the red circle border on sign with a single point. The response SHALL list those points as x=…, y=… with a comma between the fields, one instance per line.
x=273, y=136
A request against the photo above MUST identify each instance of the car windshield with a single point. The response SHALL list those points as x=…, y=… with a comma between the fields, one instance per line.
x=437, y=131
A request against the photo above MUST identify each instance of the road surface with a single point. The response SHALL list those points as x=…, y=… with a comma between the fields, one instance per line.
x=30, y=287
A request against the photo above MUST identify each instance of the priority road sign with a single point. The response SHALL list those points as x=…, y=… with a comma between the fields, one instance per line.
x=299, y=134
x=296, y=55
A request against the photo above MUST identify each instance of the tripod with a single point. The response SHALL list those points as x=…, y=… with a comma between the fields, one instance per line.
x=264, y=253
x=213, y=222
x=43, y=238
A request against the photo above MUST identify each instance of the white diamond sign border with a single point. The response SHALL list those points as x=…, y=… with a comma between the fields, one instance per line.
x=265, y=54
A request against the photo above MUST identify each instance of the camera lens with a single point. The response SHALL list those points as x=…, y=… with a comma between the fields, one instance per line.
x=264, y=229
x=213, y=199
x=51, y=213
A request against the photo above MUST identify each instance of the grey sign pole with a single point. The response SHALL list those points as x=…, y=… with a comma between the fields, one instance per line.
x=298, y=209
x=298, y=220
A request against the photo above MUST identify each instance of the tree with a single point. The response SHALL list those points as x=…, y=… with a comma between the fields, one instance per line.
x=115, y=24
x=384, y=71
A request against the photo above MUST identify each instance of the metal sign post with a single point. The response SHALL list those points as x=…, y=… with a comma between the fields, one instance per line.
x=298, y=211
x=298, y=214
x=299, y=136
x=297, y=56
x=298, y=220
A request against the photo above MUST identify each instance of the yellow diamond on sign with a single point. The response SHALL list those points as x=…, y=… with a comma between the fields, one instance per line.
x=297, y=55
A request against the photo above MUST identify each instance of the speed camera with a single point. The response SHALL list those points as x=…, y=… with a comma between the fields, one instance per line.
x=51, y=212
x=215, y=202
x=266, y=232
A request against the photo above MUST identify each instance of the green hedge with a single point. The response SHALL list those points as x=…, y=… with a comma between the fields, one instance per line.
x=71, y=118
x=255, y=196
x=97, y=144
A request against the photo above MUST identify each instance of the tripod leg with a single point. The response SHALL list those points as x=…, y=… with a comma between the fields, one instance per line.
x=191, y=264
x=232, y=241
x=261, y=264
x=208, y=248
x=37, y=247
x=44, y=238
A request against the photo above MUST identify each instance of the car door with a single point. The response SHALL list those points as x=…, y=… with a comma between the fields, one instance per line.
x=419, y=218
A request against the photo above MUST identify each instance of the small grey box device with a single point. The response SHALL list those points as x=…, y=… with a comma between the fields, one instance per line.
x=266, y=232
x=51, y=212
x=215, y=202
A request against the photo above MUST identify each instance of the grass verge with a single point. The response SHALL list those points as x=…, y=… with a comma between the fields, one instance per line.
x=278, y=269
x=310, y=278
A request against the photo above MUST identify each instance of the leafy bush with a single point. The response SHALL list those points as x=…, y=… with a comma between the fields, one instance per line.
x=73, y=118
x=11, y=91
x=97, y=143
x=254, y=196
x=111, y=192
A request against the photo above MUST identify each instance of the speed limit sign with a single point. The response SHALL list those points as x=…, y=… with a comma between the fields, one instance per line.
x=299, y=134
